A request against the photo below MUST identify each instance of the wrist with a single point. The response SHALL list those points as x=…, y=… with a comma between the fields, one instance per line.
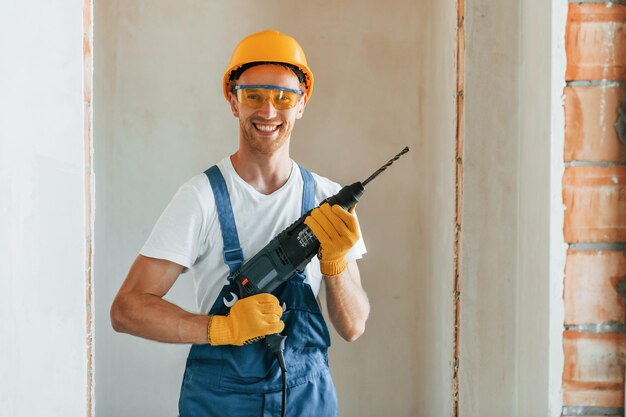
x=192, y=328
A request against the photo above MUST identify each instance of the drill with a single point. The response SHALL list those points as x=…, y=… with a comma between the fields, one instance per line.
x=293, y=248
x=290, y=251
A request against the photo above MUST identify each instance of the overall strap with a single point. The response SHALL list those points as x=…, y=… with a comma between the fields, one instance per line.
x=233, y=255
x=308, y=191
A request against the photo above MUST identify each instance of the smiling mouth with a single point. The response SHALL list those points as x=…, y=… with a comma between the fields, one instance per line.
x=266, y=128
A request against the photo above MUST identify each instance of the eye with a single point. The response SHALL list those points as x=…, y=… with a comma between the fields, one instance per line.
x=254, y=94
x=284, y=97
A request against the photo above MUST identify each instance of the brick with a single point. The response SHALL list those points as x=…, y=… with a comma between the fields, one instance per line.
x=595, y=204
x=593, y=372
x=87, y=17
x=590, y=115
x=87, y=73
x=590, y=288
x=595, y=41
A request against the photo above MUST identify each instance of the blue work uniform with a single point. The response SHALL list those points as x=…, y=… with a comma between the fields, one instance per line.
x=246, y=380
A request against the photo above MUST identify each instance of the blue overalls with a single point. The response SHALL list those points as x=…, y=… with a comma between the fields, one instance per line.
x=242, y=381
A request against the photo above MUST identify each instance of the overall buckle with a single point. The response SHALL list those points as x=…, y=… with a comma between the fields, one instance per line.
x=233, y=258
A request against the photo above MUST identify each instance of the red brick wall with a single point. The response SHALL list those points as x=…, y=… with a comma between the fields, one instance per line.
x=594, y=196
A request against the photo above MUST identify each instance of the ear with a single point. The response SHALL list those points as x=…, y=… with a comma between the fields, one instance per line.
x=234, y=104
x=301, y=106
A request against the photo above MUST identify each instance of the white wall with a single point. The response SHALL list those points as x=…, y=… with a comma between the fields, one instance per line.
x=42, y=205
x=557, y=245
x=385, y=77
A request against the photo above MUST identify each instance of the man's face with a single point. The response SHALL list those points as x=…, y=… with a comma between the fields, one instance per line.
x=267, y=129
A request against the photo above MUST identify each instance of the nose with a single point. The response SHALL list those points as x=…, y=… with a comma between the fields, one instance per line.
x=267, y=110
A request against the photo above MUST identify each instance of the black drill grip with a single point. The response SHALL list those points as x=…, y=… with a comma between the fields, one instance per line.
x=347, y=197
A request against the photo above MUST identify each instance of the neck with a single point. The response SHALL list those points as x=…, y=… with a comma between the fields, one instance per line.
x=265, y=172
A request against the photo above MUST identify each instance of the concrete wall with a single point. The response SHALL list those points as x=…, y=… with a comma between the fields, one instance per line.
x=534, y=296
x=42, y=210
x=160, y=118
x=505, y=290
x=490, y=210
x=385, y=78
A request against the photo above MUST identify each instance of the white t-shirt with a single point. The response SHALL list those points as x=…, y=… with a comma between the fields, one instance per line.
x=189, y=233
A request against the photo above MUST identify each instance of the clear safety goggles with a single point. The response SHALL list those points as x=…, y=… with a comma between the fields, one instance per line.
x=255, y=95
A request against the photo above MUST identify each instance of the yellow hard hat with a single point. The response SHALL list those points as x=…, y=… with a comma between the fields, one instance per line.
x=269, y=46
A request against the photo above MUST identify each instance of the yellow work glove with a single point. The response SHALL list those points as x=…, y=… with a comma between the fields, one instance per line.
x=250, y=319
x=337, y=230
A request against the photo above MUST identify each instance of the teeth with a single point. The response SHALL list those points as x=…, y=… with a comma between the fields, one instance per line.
x=266, y=128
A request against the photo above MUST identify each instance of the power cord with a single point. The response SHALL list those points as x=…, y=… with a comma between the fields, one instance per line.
x=276, y=344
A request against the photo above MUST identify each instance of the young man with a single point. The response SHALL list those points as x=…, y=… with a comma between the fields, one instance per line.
x=225, y=216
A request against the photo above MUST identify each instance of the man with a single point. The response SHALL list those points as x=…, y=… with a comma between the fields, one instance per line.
x=218, y=219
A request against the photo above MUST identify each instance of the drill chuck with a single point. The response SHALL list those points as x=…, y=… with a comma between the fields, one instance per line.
x=347, y=197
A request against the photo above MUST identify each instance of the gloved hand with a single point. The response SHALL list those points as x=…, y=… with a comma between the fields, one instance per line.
x=250, y=319
x=337, y=230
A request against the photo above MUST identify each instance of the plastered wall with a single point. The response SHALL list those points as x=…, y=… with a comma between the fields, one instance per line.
x=43, y=360
x=534, y=295
x=385, y=78
x=490, y=209
x=506, y=286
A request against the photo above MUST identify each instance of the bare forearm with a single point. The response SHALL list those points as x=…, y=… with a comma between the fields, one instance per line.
x=140, y=310
x=152, y=317
x=348, y=306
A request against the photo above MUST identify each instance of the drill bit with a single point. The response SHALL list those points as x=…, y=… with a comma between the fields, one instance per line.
x=384, y=167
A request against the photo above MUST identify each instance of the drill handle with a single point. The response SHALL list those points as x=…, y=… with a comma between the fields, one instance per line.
x=347, y=197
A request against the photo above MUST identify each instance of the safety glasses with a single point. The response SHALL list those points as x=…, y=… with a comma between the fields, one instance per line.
x=255, y=95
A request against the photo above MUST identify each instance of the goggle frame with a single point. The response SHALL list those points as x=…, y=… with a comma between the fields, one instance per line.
x=238, y=90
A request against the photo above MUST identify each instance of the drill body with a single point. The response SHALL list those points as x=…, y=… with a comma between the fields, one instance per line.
x=290, y=251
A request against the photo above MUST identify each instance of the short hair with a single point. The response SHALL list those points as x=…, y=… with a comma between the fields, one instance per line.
x=235, y=74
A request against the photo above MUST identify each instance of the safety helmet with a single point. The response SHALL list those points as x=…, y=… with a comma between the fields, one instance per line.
x=265, y=47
